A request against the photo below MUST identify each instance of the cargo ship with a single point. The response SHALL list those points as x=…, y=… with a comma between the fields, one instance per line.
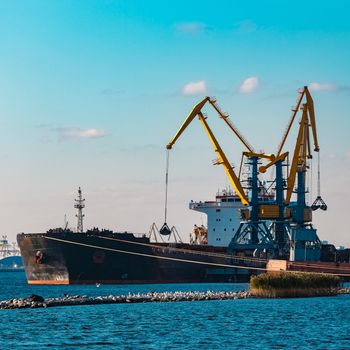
x=61, y=256
x=263, y=225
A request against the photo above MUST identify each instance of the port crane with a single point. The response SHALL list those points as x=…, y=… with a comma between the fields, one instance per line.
x=302, y=150
x=297, y=217
x=272, y=210
x=291, y=232
x=253, y=232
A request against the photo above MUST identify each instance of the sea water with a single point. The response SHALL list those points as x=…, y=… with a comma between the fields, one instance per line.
x=305, y=323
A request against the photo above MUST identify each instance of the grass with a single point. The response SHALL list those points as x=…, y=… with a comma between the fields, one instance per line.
x=294, y=284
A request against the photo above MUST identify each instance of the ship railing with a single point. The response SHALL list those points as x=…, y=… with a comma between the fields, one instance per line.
x=178, y=248
x=249, y=261
x=194, y=205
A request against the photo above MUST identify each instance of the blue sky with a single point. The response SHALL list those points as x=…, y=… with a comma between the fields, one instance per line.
x=91, y=92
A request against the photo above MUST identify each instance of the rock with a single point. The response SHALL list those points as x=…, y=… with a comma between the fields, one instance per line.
x=36, y=301
x=37, y=298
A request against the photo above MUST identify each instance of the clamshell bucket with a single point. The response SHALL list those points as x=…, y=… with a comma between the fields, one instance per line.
x=165, y=230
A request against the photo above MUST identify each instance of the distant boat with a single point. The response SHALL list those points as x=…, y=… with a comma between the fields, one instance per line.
x=11, y=263
x=10, y=259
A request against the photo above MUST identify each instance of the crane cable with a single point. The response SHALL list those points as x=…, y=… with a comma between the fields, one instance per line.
x=319, y=202
x=166, y=185
x=318, y=176
x=165, y=230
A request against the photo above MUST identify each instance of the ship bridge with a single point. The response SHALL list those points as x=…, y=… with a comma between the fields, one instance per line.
x=223, y=216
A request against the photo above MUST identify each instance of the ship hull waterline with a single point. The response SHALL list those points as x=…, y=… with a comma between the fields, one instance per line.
x=71, y=258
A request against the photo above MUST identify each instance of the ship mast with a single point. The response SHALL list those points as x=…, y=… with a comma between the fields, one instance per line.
x=80, y=204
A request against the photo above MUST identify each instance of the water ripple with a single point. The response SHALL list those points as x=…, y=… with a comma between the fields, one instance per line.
x=315, y=323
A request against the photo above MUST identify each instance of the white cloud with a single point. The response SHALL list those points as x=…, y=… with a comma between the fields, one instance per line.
x=249, y=85
x=315, y=86
x=195, y=88
x=78, y=133
x=191, y=27
x=110, y=92
x=246, y=26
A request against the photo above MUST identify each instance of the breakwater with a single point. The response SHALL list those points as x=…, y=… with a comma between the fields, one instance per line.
x=35, y=301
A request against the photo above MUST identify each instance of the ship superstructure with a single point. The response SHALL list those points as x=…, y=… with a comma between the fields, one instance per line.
x=223, y=216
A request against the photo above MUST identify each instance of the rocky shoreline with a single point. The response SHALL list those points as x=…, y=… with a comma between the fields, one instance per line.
x=36, y=301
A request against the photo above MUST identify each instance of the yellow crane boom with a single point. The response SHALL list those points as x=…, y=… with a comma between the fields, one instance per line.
x=225, y=117
x=273, y=161
x=230, y=124
x=291, y=120
x=312, y=119
x=224, y=161
x=301, y=153
x=304, y=92
x=196, y=109
x=302, y=149
x=222, y=157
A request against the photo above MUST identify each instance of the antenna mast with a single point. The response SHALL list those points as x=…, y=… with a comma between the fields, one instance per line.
x=80, y=205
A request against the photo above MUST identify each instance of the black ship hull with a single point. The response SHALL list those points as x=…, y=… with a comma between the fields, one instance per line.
x=83, y=258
